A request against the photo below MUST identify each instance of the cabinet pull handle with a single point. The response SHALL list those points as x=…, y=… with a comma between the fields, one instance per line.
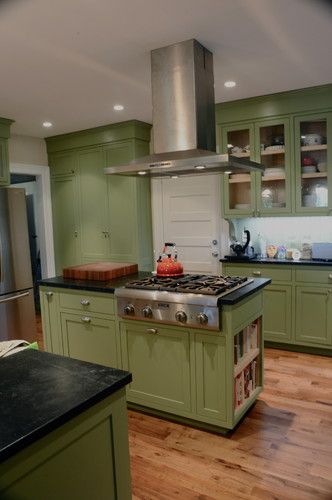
x=86, y=319
x=257, y=273
x=152, y=331
x=49, y=295
x=330, y=276
x=85, y=302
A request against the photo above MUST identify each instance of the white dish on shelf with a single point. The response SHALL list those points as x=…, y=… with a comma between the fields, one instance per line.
x=242, y=206
x=322, y=166
x=309, y=169
x=277, y=147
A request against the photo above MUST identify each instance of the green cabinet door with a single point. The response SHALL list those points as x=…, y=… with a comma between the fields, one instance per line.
x=64, y=163
x=211, y=377
x=313, y=315
x=94, y=230
x=159, y=359
x=278, y=313
x=49, y=303
x=90, y=338
x=65, y=221
x=239, y=189
x=4, y=162
x=273, y=150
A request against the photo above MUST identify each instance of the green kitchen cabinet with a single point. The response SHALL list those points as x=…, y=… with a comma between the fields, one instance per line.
x=314, y=183
x=297, y=115
x=50, y=315
x=159, y=359
x=4, y=155
x=93, y=206
x=278, y=313
x=314, y=315
x=251, y=194
x=66, y=221
x=89, y=337
x=130, y=210
x=211, y=376
x=111, y=214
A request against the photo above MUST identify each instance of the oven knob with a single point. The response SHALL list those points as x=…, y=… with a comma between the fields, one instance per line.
x=202, y=319
x=129, y=310
x=147, y=312
x=181, y=316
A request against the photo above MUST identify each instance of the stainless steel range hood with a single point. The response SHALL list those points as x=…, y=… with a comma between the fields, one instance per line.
x=184, y=136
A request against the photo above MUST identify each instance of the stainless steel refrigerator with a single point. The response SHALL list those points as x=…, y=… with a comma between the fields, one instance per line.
x=17, y=310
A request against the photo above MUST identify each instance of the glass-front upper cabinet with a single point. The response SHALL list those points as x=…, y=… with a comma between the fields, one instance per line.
x=313, y=163
x=239, y=188
x=272, y=145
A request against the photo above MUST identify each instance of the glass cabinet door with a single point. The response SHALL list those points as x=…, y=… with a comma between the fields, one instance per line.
x=313, y=171
x=239, y=188
x=273, y=151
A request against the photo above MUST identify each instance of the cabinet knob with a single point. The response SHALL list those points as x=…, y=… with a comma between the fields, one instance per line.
x=257, y=273
x=85, y=302
x=75, y=234
x=330, y=276
x=152, y=331
x=86, y=319
x=49, y=295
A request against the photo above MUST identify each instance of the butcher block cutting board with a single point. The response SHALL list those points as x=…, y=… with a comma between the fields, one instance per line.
x=100, y=271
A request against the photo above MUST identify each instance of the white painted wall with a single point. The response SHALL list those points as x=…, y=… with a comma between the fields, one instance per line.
x=28, y=150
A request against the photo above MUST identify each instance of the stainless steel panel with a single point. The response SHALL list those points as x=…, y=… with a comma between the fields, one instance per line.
x=15, y=264
x=183, y=97
x=17, y=316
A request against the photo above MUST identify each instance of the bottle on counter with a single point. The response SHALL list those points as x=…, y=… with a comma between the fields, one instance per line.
x=261, y=246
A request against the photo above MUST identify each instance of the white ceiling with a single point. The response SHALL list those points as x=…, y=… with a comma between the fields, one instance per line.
x=70, y=61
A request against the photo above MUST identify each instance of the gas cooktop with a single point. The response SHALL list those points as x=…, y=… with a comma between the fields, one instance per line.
x=190, y=283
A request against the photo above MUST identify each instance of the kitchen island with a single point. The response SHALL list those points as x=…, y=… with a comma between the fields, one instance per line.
x=205, y=377
x=63, y=429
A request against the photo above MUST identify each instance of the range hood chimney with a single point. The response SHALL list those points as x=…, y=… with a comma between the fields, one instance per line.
x=184, y=135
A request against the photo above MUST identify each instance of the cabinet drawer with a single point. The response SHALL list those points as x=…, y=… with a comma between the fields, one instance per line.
x=87, y=303
x=276, y=273
x=314, y=276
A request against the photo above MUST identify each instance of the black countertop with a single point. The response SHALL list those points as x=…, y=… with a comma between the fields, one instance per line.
x=39, y=392
x=246, y=291
x=92, y=285
x=280, y=261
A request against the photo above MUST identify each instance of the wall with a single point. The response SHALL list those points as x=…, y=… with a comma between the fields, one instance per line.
x=288, y=231
x=28, y=150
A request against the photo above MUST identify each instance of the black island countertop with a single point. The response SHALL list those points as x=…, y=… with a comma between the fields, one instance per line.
x=40, y=391
x=287, y=262
x=112, y=285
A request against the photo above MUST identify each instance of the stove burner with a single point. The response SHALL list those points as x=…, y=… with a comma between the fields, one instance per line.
x=189, y=283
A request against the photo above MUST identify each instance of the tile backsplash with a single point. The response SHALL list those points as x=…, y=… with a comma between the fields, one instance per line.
x=288, y=231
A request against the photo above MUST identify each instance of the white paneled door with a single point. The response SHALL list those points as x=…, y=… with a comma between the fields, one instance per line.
x=186, y=211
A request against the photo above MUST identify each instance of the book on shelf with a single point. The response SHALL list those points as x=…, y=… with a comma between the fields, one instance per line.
x=245, y=341
x=245, y=383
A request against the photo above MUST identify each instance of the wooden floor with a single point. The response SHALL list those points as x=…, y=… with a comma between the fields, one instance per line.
x=281, y=450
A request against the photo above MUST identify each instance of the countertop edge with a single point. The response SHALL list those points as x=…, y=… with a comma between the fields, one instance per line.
x=244, y=292
x=285, y=262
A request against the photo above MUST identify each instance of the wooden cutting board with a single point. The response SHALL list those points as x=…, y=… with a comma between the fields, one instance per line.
x=100, y=271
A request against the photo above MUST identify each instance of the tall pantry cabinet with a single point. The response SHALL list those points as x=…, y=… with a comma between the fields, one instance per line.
x=96, y=216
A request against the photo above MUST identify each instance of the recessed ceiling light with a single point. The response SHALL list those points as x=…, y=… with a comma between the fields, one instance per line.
x=118, y=107
x=200, y=167
x=142, y=172
x=47, y=124
x=229, y=84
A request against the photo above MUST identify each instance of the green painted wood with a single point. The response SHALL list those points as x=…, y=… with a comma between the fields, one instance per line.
x=89, y=337
x=64, y=163
x=274, y=105
x=160, y=364
x=278, y=313
x=211, y=377
x=66, y=223
x=94, y=302
x=303, y=347
x=297, y=165
x=99, y=135
x=275, y=272
x=314, y=315
x=50, y=314
x=88, y=457
x=4, y=163
x=261, y=210
x=5, y=124
x=93, y=205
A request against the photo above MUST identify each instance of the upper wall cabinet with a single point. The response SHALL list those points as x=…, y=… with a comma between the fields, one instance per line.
x=291, y=135
x=4, y=158
x=108, y=216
